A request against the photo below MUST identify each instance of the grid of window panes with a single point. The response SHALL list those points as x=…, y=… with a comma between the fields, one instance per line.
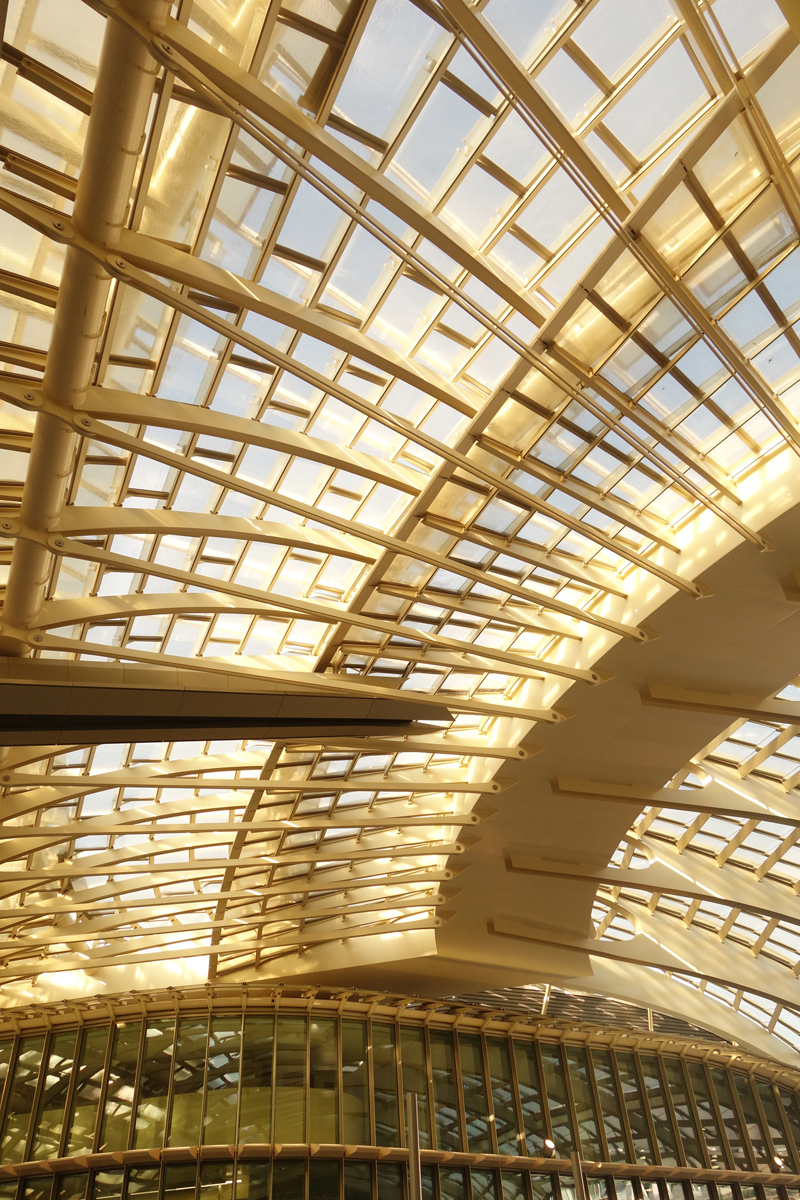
x=267, y=1077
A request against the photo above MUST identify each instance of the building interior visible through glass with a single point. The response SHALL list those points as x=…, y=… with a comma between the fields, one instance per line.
x=400, y=600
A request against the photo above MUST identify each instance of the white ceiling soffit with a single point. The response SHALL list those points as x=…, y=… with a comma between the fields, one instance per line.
x=418, y=347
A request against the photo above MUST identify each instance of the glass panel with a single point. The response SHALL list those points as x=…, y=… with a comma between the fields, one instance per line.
x=556, y=1088
x=512, y=1185
x=107, y=1185
x=252, y=1178
x=290, y=1081
x=151, y=1106
x=121, y=1086
x=476, y=1106
x=324, y=1081
x=8, y=1189
x=355, y=1084
x=255, y=1112
x=584, y=1103
x=289, y=1179
x=445, y=1099
x=88, y=1086
x=37, y=1189
x=452, y=1184
x=484, y=1185
x=384, y=1070
x=323, y=1179
x=390, y=1181
x=501, y=1083
x=222, y=1081
x=49, y=1123
x=357, y=1181
x=415, y=1077
x=705, y=1110
x=142, y=1183
x=542, y=1187
x=180, y=1181
x=684, y=1115
x=187, y=1082
x=530, y=1095
x=775, y=1124
x=634, y=1107
x=654, y=1087
x=20, y=1099
x=730, y=1121
x=792, y=1112
x=609, y=1103
x=753, y=1121
x=216, y=1181
x=428, y=1183
x=71, y=1187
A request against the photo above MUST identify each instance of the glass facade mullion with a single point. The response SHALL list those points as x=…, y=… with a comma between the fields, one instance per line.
x=461, y=1097
x=754, y=1127
x=673, y=1116
x=40, y=1083
x=545, y=1107
x=516, y=1095
x=601, y=1125
x=623, y=1114
x=489, y=1095
x=791, y=1120
x=654, y=1140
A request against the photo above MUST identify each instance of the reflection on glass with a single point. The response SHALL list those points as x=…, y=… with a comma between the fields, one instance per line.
x=708, y=1119
x=484, y=1185
x=222, y=1083
x=20, y=1100
x=323, y=1179
x=730, y=1120
x=634, y=1107
x=323, y=1080
x=753, y=1121
x=609, y=1103
x=355, y=1083
x=88, y=1086
x=512, y=1186
x=187, y=1082
x=121, y=1086
x=542, y=1187
x=502, y=1085
x=415, y=1078
x=584, y=1103
x=384, y=1072
x=357, y=1181
x=70, y=1187
x=684, y=1115
x=791, y=1110
x=476, y=1105
x=290, y=1080
x=49, y=1123
x=252, y=1179
x=445, y=1098
x=390, y=1181
x=151, y=1105
x=558, y=1105
x=179, y=1181
x=530, y=1095
x=255, y=1111
x=774, y=1123
x=654, y=1087
x=216, y=1181
x=107, y=1185
x=452, y=1185
x=142, y=1183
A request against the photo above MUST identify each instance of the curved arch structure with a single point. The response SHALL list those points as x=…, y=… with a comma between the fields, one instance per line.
x=400, y=415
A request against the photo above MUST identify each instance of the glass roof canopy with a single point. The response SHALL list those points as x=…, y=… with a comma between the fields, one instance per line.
x=433, y=333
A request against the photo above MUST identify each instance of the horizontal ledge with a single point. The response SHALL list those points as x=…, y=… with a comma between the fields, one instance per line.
x=305, y=1150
